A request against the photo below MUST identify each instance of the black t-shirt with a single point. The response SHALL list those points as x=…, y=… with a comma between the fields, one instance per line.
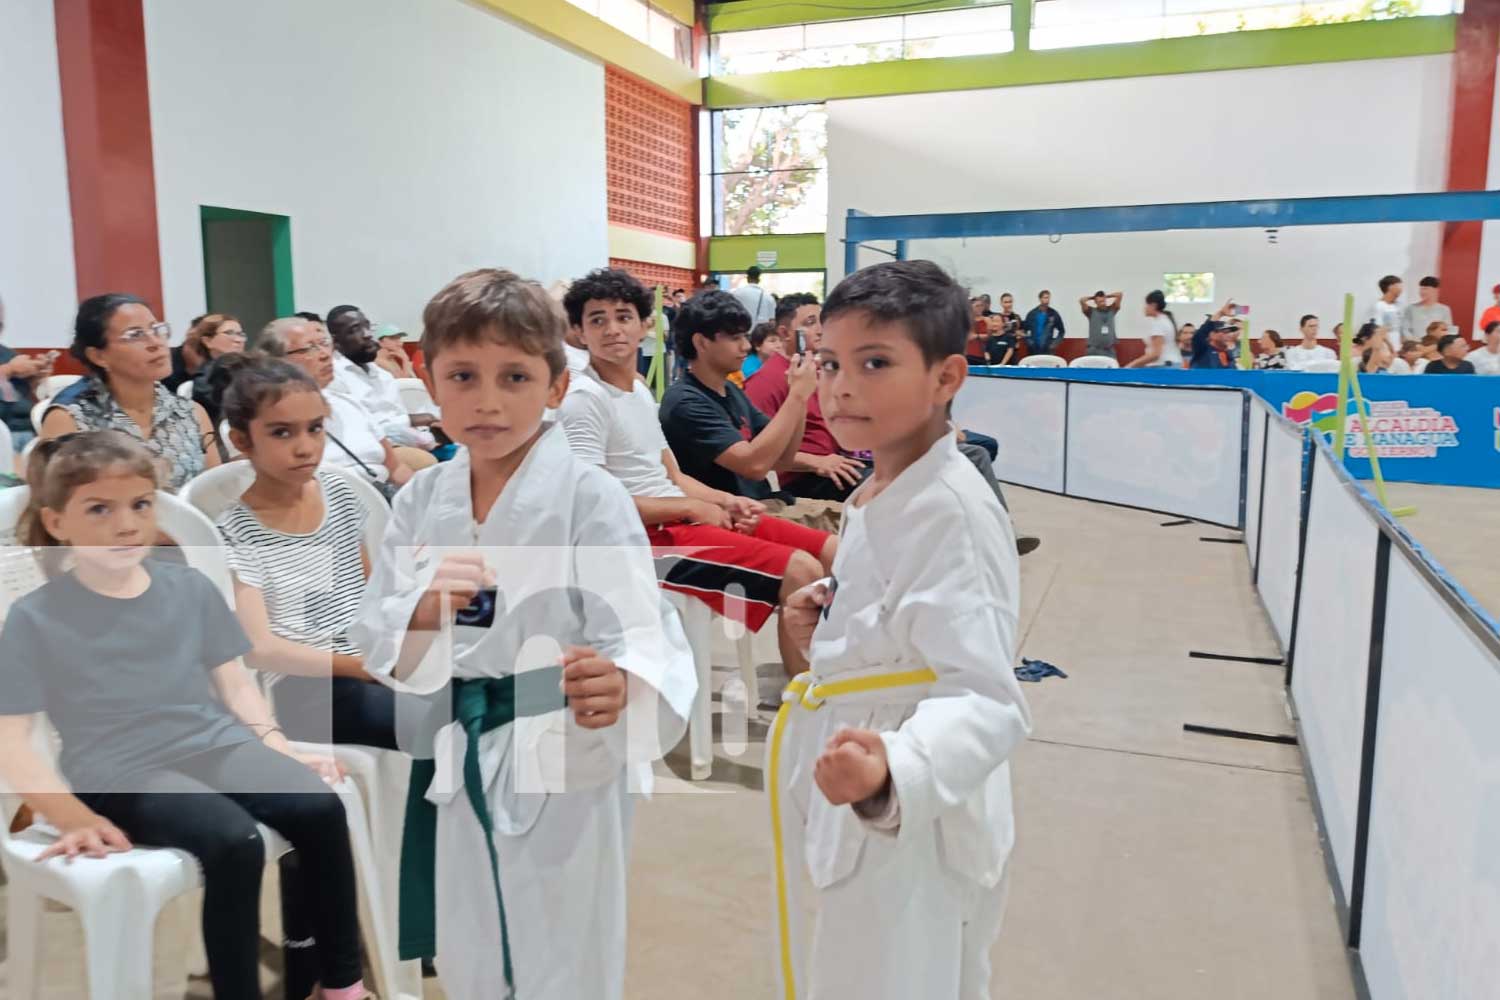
x=125, y=681
x=700, y=425
x=1437, y=367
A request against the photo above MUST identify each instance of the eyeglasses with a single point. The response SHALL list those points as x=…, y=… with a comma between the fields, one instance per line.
x=321, y=344
x=140, y=334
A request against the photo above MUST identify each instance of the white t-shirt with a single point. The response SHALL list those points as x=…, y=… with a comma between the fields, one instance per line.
x=1171, y=354
x=759, y=303
x=359, y=431
x=578, y=358
x=1392, y=316
x=375, y=389
x=1399, y=367
x=1485, y=361
x=1299, y=357
x=620, y=431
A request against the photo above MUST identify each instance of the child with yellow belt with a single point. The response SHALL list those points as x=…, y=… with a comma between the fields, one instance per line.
x=890, y=787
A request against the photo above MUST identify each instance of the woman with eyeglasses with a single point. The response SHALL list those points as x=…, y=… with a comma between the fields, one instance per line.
x=125, y=349
x=208, y=339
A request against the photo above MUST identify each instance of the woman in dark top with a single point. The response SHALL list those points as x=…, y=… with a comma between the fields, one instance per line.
x=210, y=337
x=165, y=738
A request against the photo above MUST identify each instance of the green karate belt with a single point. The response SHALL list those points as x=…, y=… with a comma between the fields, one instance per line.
x=479, y=706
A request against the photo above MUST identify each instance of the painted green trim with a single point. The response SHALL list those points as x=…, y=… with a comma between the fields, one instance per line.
x=799, y=252
x=744, y=15
x=281, y=251
x=281, y=266
x=1417, y=36
x=573, y=27
x=1020, y=25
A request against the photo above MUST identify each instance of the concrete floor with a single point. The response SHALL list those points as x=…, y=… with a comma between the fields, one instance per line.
x=1151, y=863
x=1460, y=527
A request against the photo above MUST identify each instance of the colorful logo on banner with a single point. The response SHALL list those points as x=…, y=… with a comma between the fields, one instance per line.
x=1497, y=428
x=1398, y=430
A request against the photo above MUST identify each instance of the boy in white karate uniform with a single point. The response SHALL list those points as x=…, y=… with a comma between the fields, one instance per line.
x=890, y=788
x=520, y=575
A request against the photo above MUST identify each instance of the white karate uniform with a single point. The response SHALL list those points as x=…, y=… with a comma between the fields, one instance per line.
x=564, y=540
x=908, y=904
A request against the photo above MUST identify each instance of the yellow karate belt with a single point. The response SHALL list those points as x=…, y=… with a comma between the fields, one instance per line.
x=805, y=691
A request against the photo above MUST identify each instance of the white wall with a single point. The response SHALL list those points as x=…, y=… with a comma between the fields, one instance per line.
x=37, y=278
x=1372, y=127
x=408, y=142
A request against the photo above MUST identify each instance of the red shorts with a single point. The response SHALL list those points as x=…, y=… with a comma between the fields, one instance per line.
x=738, y=576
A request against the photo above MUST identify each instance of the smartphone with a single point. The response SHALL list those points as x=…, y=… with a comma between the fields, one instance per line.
x=1240, y=311
x=801, y=342
x=480, y=612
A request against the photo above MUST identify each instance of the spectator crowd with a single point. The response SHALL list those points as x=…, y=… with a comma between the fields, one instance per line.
x=1396, y=337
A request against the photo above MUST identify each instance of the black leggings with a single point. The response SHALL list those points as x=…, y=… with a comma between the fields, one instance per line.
x=336, y=710
x=322, y=710
x=182, y=807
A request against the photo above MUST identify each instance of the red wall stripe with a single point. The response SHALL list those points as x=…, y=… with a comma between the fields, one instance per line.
x=1478, y=45
x=101, y=57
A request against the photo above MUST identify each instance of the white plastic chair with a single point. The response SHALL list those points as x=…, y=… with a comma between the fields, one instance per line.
x=185, y=390
x=697, y=625
x=380, y=775
x=1043, y=361
x=53, y=384
x=1323, y=367
x=1092, y=361
x=119, y=897
x=414, y=396
x=7, y=448
x=38, y=412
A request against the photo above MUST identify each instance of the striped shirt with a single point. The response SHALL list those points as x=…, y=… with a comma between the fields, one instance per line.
x=311, y=583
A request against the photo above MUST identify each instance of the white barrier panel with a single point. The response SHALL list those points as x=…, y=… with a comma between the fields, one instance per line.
x=1027, y=416
x=1333, y=651
x=1280, y=525
x=1255, y=460
x=1173, y=450
x=1431, y=924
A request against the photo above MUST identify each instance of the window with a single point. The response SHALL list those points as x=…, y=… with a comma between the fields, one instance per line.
x=769, y=170
x=970, y=31
x=1188, y=287
x=645, y=23
x=1059, y=24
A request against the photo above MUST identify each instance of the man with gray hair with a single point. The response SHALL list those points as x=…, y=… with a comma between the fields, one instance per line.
x=355, y=439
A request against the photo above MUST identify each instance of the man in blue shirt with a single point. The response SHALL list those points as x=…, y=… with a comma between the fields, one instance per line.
x=1214, y=341
x=1044, y=325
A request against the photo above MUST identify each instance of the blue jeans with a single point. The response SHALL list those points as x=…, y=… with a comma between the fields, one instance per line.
x=984, y=441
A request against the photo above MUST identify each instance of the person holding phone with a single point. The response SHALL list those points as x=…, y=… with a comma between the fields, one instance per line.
x=820, y=471
x=19, y=374
x=1213, y=342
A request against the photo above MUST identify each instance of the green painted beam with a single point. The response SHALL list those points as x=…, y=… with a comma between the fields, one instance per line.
x=743, y=15
x=1417, y=36
x=798, y=252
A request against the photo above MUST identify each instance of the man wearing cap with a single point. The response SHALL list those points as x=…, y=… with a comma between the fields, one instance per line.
x=393, y=357
x=1102, y=311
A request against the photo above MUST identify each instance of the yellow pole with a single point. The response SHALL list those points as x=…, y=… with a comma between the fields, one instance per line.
x=1246, y=361
x=656, y=375
x=1346, y=368
x=1363, y=409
